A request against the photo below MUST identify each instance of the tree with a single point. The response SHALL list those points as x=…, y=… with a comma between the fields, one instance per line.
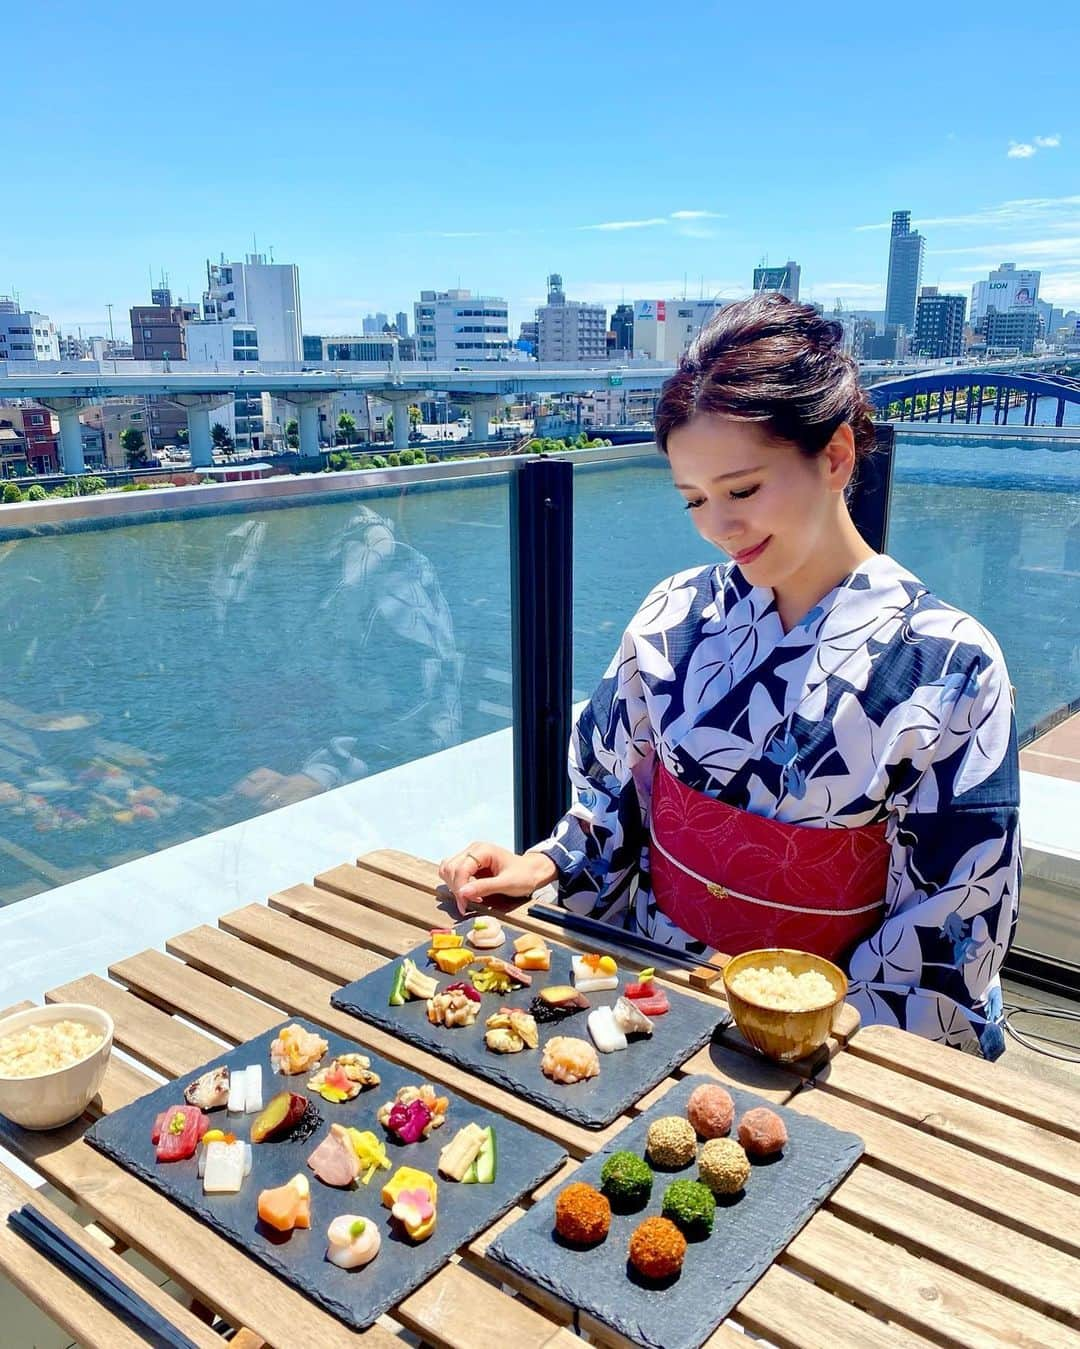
x=415, y=415
x=134, y=443
x=292, y=433
x=12, y=493
x=219, y=434
x=182, y=436
x=346, y=425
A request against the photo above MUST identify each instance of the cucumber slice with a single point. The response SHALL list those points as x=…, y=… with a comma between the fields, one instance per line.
x=397, y=988
x=469, y=1178
x=487, y=1159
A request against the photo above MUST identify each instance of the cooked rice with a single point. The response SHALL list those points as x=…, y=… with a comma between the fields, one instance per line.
x=777, y=987
x=45, y=1047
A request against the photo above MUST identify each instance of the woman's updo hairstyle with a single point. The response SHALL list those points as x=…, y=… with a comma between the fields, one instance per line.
x=775, y=362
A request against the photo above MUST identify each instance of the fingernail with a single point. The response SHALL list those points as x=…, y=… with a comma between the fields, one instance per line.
x=467, y=892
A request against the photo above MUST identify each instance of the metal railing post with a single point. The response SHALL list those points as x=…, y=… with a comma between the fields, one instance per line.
x=541, y=596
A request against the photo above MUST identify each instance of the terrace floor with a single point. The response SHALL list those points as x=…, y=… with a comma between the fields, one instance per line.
x=1057, y=753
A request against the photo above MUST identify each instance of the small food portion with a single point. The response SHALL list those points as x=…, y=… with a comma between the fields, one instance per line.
x=36, y=1050
x=762, y=1132
x=557, y=1002
x=280, y=1116
x=606, y=1035
x=630, y=1019
x=710, y=1110
x=511, y=1030
x=627, y=1180
x=446, y=939
x=352, y=1241
x=657, y=1249
x=414, y=1113
x=776, y=986
x=531, y=952
x=410, y=982
x=647, y=995
x=412, y=1196
x=486, y=934
x=245, y=1090
x=569, y=1060
x=287, y=1206
x=582, y=1214
x=459, y=1156
x=335, y=1161
x=369, y=1152
x=482, y=1171
x=176, y=1132
x=210, y=1091
x=344, y=1078
x=671, y=1142
x=452, y=961
x=296, y=1050
x=723, y=1166
x=690, y=1206
x=453, y=1007
x=594, y=974
x=223, y=1165
x=497, y=975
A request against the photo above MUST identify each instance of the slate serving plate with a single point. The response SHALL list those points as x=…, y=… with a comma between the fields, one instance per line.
x=624, y=1077
x=356, y=1297
x=750, y=1231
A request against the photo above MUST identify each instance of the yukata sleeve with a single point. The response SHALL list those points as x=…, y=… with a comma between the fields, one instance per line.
x=954, y=873
x=597, y=844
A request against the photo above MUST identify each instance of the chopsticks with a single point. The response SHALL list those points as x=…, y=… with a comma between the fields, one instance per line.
x=124, y=1302
x=591, y=927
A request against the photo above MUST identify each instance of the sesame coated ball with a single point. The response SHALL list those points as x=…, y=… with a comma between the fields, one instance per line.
x=710, y=1110
x=671, y=1142
x=723, y=1166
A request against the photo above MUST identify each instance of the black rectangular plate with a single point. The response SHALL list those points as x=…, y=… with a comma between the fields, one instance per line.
x=749, y=1233
x=356, y=1297
x=624, y=1076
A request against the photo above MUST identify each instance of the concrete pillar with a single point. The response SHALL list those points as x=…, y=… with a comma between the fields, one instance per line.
x=483, y=409
x=71, y=446
x=200, y=442
x=308, y=417
x=400, y=406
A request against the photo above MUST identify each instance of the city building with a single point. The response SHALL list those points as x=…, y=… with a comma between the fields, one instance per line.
x=529, y=337
x=157, y=330
x=26, y=335
x=1013, y=330
x=384, y=347
x=375, y=324
x=108, y=419
x=784, y=280
x=617, y=407
x=569, y=330
x=12, y=448
x=939, y=324
x=80, y=348
x=622, y=325
x=663, y=329
x=1005, y=289
x=264, y=295
x=230, y=343
x=906, y=248
x=457, y=327
x=39, y=430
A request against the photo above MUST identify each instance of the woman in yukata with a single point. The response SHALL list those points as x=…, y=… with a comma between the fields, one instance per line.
x=804, y=747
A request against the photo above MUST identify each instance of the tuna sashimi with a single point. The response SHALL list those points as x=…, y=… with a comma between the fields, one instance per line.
x=647, y=996
x=177, y=1131
x=335, y=1161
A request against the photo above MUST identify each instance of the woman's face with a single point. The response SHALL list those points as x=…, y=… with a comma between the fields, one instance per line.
x=773, y=510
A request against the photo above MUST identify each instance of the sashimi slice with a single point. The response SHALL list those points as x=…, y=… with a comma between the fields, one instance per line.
x=652, y=1004
x=177, y=1131
x=253, y=1090
x=237, y=1091
x=287, y=1206
x=224, y=1172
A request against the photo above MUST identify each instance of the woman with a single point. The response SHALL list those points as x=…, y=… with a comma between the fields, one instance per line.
x=804, y=747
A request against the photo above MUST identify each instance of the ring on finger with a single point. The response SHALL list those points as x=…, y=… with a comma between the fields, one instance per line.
x=473, y=858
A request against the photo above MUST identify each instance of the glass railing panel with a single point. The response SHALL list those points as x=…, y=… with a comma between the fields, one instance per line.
x=168, y=679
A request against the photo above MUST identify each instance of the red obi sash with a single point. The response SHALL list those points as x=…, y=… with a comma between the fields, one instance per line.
x=738, y=881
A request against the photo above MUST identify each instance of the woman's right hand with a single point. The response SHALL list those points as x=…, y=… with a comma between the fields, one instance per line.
x=484, y=869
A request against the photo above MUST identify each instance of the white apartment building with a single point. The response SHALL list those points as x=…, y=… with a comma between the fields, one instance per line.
x=231, y=344
x=456, y=327
x=26, y=335
x=260, y=293
x=663, y=329
x=569, y=330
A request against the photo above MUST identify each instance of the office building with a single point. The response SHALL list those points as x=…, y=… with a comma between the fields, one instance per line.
x=783, y=280
x=939, y=324
x=375, y=325
x=231, y=344
x=157, y=329
x=906, y=248
x=663, y=329
x=334, y=350
x=263, y=295
x=26, y=335
x=622, y=325
x=1014, y=330
x=458, y=327
x=569, y=330
x=1005, y=289
x=402, y=323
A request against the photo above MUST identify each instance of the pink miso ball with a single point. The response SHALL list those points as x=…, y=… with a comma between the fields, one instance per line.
x=762, y=1132
x=710, y=1110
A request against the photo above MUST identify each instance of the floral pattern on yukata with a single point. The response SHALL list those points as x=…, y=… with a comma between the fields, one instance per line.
x=884, y=704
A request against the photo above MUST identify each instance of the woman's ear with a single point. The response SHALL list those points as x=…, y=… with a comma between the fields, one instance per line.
x=839, y=456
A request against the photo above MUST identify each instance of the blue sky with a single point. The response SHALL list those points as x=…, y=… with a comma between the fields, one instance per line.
x=389, y=148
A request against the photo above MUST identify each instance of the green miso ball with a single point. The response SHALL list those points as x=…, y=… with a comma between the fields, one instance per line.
x=627, y=1180
x=690, y=1206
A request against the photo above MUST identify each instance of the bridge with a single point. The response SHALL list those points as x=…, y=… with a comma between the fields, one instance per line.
x=1057, y=379
x=201, y=388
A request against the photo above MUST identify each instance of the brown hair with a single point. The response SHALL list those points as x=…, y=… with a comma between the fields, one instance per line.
x=772, y=361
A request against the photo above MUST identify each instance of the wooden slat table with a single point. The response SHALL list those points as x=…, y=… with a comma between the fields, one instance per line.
x=960, y=1226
